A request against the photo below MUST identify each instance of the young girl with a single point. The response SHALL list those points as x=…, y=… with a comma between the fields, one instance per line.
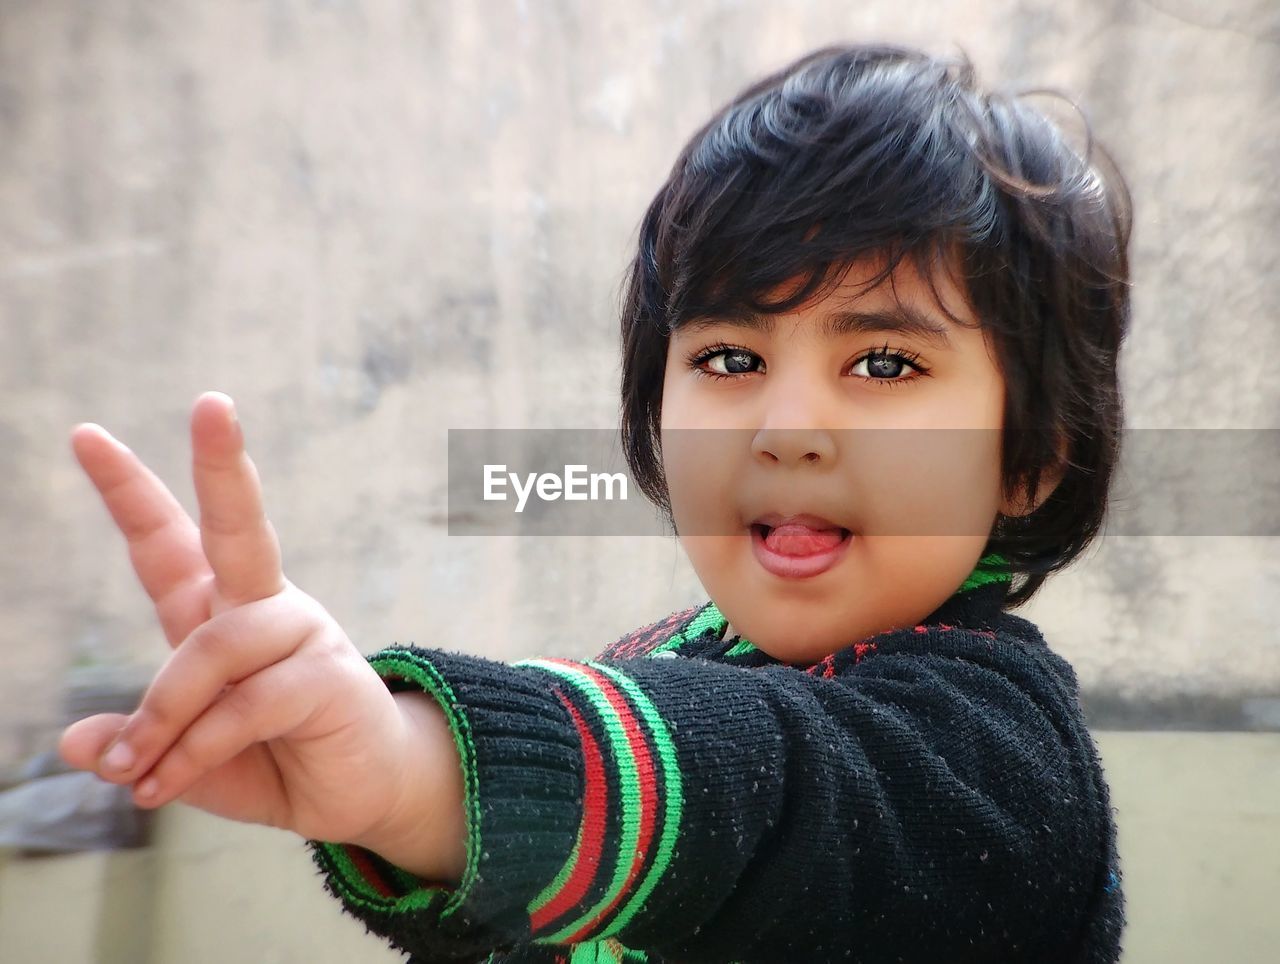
x=870, y=344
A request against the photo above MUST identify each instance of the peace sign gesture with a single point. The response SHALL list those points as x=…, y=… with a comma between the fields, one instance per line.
x=265, y=711
x=190, y=573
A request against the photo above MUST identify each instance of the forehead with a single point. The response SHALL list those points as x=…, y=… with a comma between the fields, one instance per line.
x=835, y=322
x=929, y=308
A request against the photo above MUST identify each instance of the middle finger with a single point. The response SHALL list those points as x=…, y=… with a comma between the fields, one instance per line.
x=239, y=541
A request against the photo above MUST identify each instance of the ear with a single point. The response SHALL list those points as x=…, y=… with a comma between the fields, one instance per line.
x=1050, y=477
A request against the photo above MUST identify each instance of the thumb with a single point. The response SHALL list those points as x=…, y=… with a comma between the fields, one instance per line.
x=83, y=743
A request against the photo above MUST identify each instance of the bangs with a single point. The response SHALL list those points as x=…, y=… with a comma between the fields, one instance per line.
x=796, y=182
x=773, y=291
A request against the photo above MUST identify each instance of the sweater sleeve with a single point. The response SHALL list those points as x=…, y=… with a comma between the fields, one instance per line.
x=935, y=797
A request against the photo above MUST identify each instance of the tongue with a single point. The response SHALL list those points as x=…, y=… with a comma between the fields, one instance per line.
x=798, y=540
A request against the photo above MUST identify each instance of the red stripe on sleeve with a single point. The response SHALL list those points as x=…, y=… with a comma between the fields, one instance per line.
x=591, y=841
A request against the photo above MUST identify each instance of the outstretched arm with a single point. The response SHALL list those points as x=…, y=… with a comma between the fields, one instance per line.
x=935, y=803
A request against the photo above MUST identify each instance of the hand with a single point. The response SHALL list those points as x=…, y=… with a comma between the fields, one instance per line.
x=265, y=711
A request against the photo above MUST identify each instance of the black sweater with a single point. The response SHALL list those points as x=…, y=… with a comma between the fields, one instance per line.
x=927, y=794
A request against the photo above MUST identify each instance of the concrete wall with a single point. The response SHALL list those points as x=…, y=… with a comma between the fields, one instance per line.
x=372, y=222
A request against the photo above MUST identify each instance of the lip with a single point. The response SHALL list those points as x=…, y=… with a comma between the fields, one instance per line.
x=774, y=519
x=797, y=567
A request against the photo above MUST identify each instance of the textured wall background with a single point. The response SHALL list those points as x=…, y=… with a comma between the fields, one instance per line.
x=371, y=222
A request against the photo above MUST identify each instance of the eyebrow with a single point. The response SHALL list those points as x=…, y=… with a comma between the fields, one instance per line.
x=903, y=320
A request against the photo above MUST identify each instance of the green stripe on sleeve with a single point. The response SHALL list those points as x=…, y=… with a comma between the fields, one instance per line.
x=623, y=784
x=673, y=804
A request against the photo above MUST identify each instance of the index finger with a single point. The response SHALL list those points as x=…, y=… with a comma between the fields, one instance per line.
x=239, y=541
x=164, y=543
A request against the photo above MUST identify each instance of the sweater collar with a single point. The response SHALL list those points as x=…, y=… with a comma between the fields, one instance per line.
x=978, y=603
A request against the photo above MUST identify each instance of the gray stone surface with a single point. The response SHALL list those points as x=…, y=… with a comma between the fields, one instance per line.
x=372, y=222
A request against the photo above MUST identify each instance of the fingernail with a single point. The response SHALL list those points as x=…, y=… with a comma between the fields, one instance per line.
x=119, y=758
x=148, y=788
x=226, y=400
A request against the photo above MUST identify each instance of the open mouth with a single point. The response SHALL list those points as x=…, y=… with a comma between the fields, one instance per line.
x=793, y=550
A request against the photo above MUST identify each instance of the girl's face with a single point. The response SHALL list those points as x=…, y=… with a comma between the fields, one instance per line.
x=841, y=410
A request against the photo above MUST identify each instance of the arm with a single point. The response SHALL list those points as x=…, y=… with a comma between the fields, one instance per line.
x=932, y=800
x=435, y=850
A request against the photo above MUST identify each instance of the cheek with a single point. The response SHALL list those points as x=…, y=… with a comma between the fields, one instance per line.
x=929, y=482
x=678, y=409
x=709, y=556
x=701, y=457
x=704, y=468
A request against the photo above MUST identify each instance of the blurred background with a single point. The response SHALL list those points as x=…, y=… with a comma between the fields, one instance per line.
x=371, y=222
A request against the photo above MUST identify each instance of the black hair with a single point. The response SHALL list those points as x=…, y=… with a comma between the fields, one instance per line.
x=879, y=150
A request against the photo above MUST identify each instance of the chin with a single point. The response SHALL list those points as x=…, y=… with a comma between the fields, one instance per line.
x=793, y=634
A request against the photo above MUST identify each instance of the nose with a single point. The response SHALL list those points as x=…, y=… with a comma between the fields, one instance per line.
x=794, y=429
x=792, y=446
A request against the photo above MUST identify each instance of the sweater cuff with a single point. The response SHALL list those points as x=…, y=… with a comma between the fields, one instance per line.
x=522, y=794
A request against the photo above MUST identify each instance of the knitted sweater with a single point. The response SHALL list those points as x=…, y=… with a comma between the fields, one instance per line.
x=926, y=794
